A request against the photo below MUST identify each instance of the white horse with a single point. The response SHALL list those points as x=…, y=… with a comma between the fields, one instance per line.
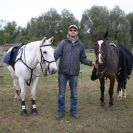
x=27, y=69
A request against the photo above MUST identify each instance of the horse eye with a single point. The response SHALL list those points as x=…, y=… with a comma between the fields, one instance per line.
x=45, y=52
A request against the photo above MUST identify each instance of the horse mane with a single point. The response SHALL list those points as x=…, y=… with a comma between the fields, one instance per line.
x=113, y=44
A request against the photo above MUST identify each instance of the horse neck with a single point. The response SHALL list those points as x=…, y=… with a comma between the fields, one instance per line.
x=32, y=54
x=111, y=59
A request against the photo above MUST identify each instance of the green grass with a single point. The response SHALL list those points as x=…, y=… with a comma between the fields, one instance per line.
x=92, y=118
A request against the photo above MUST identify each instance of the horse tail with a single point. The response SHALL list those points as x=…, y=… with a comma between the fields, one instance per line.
x=12, y=72
x=125, y=63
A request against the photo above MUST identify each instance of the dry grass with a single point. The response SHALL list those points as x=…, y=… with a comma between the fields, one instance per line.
x=93, y=119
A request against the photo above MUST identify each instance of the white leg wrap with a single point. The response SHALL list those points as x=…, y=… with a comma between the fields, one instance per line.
x=33, y=106
x=124, y=93
x=120, y=94
x=23, y=107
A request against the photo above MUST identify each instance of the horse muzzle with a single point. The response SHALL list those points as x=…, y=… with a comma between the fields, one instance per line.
x=53, y=71
x=50, y=69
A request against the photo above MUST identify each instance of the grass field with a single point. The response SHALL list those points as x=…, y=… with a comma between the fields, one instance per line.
x=92, y=118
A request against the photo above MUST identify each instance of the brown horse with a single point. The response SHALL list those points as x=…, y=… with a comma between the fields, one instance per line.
x=110, y=63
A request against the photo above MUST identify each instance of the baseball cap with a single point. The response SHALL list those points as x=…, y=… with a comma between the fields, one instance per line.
x=73, y=26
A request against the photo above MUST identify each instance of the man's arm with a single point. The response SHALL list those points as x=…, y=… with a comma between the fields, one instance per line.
x=83, y=58
x=58, y=51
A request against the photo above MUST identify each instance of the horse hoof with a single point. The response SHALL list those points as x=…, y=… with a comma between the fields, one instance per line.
x=34, y=111
x=102, y=104
x=24, y=112
x=110, y=108
x=119, y=98
x=124, y=96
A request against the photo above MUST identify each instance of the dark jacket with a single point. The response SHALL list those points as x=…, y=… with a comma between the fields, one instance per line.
x=71, y=54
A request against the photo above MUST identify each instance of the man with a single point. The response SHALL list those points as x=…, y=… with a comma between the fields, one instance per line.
x=71, y=52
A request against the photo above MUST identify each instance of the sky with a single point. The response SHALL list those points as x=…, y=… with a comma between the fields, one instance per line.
x=21, y=11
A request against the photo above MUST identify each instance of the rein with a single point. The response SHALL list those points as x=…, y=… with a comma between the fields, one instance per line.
x=104, y=71
x=44, y=60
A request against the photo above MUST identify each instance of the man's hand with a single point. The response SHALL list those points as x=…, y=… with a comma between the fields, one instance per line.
x=94, y=64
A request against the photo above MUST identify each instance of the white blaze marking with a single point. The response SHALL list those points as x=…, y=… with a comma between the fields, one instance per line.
x=100, y=56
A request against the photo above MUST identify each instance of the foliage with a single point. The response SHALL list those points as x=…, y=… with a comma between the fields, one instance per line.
x=97, y=19
x=130, y=18
x=119, y=27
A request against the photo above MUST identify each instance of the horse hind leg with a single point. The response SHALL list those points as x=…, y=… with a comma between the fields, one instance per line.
x=124, y=93
x=124, y=89
x=17, y=93
x=119, y=97
x=119, y=91
x=15, y=83
x=111, y=91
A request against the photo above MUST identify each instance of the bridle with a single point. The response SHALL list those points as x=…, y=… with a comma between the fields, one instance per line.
x=43, y=60
x=104, y=66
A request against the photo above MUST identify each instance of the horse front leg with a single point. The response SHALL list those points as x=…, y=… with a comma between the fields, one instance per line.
x=102, y=89
x=34, y=110
x=22, y=95
x=111, y=91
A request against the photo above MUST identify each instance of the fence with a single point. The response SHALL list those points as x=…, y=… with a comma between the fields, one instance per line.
x=1, y=65
x=2, y=51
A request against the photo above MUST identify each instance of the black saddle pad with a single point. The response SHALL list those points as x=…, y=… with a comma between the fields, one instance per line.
x=14, y=53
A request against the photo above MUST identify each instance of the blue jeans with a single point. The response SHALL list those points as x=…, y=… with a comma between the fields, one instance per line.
x=62, y=81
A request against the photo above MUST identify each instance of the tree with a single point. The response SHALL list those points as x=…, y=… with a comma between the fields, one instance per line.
x=130, y=18
x=67, y=18
x=119, y=27
x=9, y=33
x=95, y=20
x=44, y=25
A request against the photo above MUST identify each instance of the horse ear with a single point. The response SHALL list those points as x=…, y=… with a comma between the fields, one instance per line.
x=106, y=34
x=44, y=39
x=51, y=39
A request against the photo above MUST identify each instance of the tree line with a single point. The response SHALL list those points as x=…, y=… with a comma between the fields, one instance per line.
x=97, y=19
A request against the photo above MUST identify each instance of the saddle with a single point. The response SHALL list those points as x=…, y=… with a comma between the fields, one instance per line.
x=11, y=56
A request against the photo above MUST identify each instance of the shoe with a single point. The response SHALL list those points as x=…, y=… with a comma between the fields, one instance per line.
x=74, y=115
x=59, y=115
